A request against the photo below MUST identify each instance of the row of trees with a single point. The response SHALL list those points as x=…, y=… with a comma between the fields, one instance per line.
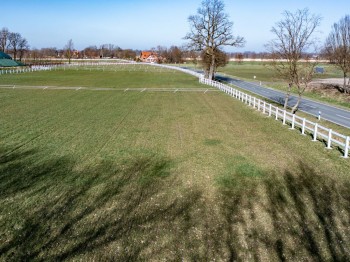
x=13, y=43
x=88, y=52
x=174, y=54
x=211, y=30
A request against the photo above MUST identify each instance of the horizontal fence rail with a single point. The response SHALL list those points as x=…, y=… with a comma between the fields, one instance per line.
x=331, y=138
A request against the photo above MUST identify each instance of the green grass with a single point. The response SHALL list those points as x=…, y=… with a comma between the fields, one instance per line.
x=120, y=76
x=105, y=175
x=263, y=72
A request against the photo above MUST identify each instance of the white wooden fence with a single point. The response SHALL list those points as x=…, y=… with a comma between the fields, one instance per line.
x=331, y=138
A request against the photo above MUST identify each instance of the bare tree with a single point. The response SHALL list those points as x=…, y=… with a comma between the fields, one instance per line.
x=4, y=34
x=68, y=50
x=337, y=48
x=14, y=40
x=91, y=51
x=210, y=30
x=23, y=46
x=239, y=58
x=175, y=55
x=293, y=40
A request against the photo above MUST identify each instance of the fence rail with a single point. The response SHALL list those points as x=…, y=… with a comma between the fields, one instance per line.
x=331, y=138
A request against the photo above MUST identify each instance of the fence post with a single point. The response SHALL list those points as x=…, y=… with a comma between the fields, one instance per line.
x=315, y=132
x=284, y=117
x=270, y=110
x=254, y=102
x=264, y=108
x=259, y=102
x=346, y=149
x=293, y=122
x=276, y=113
x=303, y=127
x=329, y=142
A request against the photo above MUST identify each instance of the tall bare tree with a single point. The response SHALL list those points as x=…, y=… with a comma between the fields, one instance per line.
x=68, y=50
x=23, y=46
x=4, y=34
x=211, y=29
x=14, y=40
x=337, y=48
x=294, y=38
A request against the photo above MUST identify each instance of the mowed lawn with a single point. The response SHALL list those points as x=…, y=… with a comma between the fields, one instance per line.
x=112, y=175
x=111, y=76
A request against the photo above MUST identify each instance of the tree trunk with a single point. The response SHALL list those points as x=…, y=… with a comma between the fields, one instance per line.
x=300, y=93
x=296, y=106
x=344, y=84
x=206, y=73
x=212, y=67
x=286, y=99
x=287, y=96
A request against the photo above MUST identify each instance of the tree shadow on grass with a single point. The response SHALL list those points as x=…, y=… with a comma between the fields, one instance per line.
x=298, y=216
x=137, y=209
x=125, y=211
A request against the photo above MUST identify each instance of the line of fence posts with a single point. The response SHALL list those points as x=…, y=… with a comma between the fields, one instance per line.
x=330, y=137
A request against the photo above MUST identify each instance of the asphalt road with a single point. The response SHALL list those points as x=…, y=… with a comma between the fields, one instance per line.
x=333, y=114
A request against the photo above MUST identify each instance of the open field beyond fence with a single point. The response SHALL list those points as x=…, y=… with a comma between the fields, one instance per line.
x=89, y=175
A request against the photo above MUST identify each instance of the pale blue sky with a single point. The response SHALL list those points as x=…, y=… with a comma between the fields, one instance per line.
x=141, y=24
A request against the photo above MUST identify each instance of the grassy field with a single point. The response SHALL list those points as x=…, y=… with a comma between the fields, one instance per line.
x=120, y=76
x=263, y=71
x=124, y=176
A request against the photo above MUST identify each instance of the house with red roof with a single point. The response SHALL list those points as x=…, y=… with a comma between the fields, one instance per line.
x=149, y=57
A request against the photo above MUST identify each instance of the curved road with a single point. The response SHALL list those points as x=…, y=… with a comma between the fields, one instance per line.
x=333, y=114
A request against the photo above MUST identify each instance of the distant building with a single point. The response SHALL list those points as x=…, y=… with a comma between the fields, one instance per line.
x=149, y=57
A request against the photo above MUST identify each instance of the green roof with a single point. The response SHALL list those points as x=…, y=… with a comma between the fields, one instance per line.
x=4, y=56
x=8, y=63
